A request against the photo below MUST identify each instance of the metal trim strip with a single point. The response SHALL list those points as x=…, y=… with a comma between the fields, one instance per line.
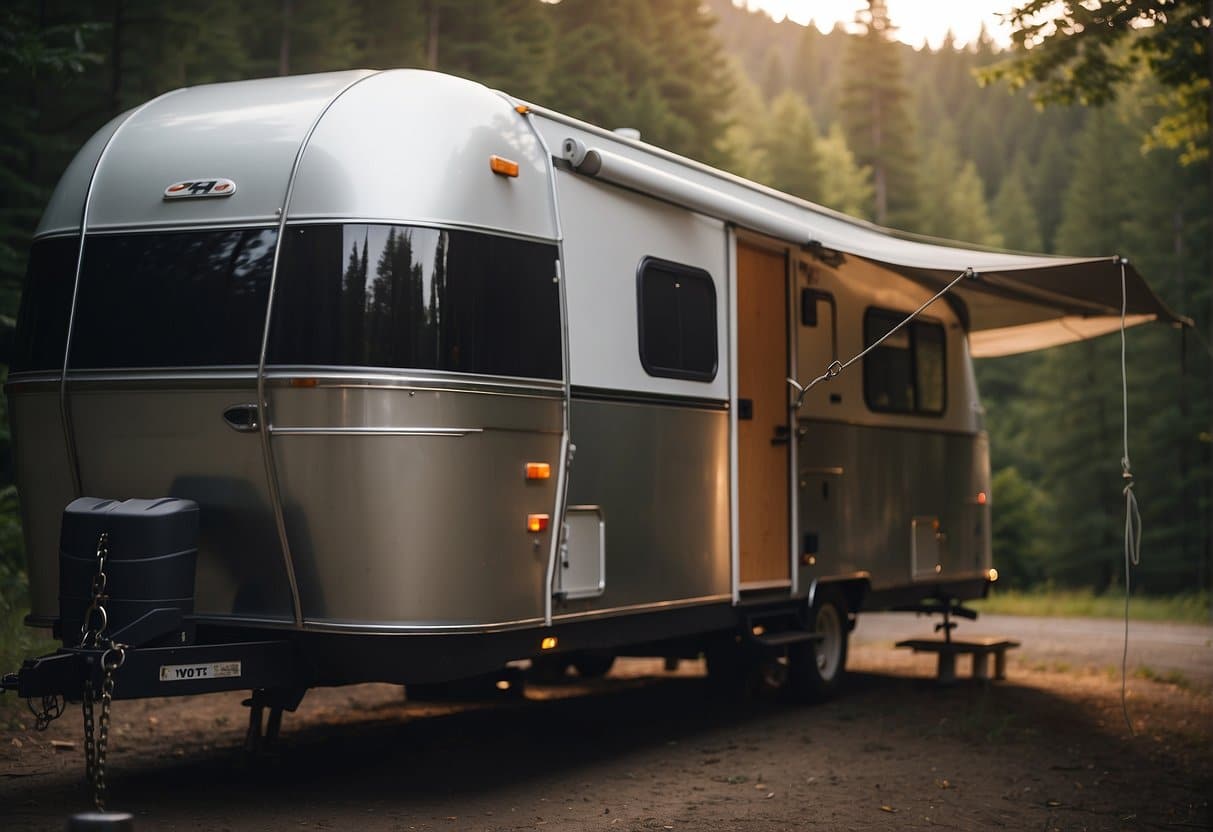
x=352, y=377
x=702, y=600
x=421, y=222
x=730, y=244
x=65, y=411
x=323, y=625
x=602, y=394
x=812, y=420
x=567, y=448
x=367, y=431
x=781, y=583
x=262, y=406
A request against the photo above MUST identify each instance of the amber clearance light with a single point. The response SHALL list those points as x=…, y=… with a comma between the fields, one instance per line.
x=502, y=166
x=538, y=471
x=536, y=522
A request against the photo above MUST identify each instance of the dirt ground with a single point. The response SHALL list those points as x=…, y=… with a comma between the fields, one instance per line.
x=646, y=749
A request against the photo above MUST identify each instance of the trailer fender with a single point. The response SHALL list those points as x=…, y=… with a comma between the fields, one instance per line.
x=854, y=588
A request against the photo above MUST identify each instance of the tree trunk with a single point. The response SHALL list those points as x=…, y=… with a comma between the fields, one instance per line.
x=116, y=60
x=284, y=45
x=431, y=43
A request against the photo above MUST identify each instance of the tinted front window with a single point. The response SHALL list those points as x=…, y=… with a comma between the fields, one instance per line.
x=46, y=303
x=175, y=299
x=906, y=373
x=417, y=298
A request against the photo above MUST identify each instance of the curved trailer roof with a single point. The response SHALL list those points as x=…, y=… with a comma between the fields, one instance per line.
x=411, y=145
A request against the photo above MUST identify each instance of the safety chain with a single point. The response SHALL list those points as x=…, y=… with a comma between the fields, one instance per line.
x=112, y=659
x=51, y=709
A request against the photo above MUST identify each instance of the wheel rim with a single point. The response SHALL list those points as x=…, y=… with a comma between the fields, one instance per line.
x=829, y=648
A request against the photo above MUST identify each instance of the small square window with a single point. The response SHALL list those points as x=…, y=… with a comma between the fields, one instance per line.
x=677, y=320
x=906, y=373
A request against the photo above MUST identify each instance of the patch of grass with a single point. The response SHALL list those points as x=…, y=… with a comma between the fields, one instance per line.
x=1191, y=607
x=17, y=642
x=1168, y=677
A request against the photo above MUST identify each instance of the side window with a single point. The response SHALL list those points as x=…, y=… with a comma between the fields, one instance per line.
x=46, y=304
x=677, y=325
x=907, y=373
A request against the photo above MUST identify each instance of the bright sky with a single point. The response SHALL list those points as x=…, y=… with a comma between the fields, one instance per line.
x=917, y=20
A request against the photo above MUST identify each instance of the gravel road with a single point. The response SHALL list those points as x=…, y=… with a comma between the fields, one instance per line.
x=646, y=749
x=1155, y=648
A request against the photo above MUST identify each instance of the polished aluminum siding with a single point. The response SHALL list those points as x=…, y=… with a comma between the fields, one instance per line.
x=152, y=437
x=877, y=481
x=247, y=131
x=660, y=475
x=406, y=506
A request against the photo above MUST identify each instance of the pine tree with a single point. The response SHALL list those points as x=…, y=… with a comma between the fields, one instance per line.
x=741, y=141
x=1013, y=214
x=774, y=76
x=790, y=144
x=658, y=68
x=845, y=185
x=875, y=114
x=1053, y=168
x=953, y=204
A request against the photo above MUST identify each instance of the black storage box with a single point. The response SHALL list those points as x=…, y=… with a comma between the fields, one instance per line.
x=152, y=553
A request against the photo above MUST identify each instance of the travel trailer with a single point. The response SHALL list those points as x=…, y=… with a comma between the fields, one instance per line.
x=446, y=380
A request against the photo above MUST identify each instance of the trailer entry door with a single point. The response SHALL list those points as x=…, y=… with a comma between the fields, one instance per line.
x=763, y=426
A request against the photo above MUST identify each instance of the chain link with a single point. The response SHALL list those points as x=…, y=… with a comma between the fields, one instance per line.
x=95, y=746
x=51, y=709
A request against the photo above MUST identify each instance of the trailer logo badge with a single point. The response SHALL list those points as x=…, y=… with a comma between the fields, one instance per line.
x=199, y=188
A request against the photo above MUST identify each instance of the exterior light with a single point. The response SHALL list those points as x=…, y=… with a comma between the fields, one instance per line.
x=538, y=470
x=502, y=166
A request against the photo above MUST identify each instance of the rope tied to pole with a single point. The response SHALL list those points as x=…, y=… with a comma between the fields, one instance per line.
x=1132, y=512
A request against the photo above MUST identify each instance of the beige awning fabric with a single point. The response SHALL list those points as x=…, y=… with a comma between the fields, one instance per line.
x=1018, y=303
x=1014, y=303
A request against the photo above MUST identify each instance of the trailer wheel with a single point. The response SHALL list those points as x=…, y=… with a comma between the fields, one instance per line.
x=593, y=665
x=816, y=669
x=549, y=670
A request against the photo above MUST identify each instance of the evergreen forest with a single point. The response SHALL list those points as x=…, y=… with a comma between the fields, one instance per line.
x=962, y=151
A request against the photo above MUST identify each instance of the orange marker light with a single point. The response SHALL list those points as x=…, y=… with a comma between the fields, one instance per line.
x=521, y=109
x=502, y=166
x=303, y=382
x=548, y=643
x=538, y=471
x=536, y=522
x=981, y=498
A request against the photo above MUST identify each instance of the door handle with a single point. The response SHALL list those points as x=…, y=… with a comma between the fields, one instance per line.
x=782, y=432
x=243, y=418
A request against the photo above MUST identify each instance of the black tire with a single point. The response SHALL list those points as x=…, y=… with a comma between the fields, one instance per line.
x=549, y=670
x=816, y=668
x=593, y=665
